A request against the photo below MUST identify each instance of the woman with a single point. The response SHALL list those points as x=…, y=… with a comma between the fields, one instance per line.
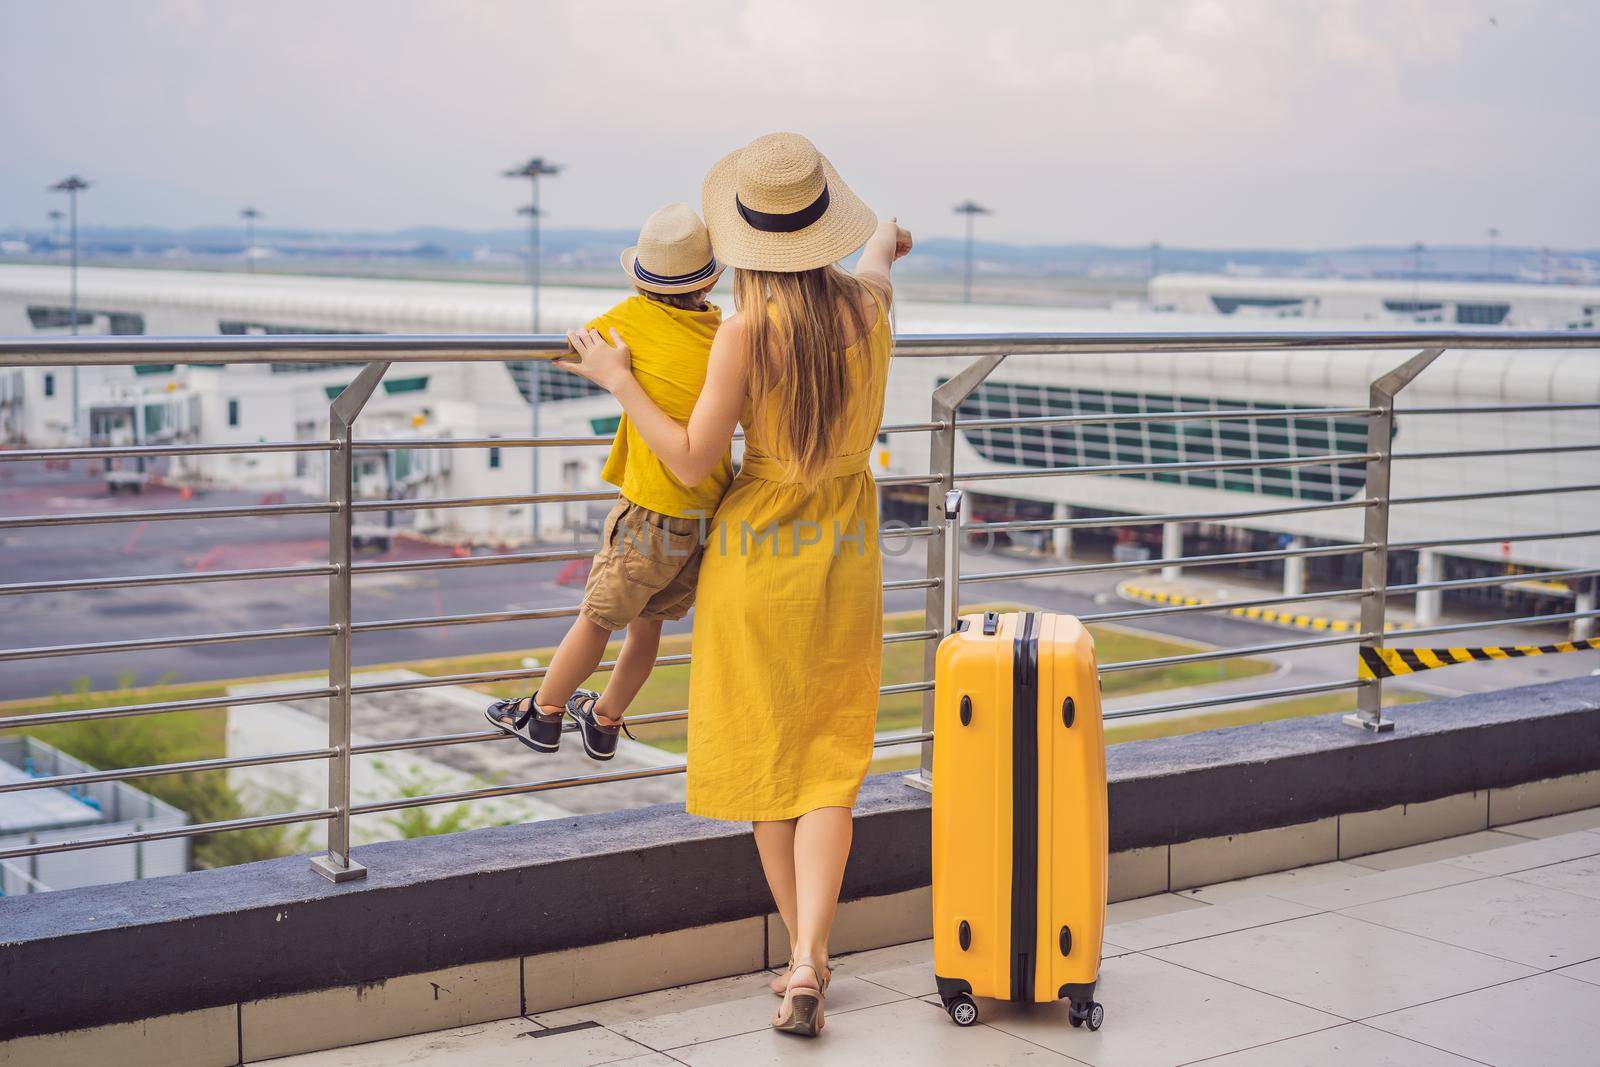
x=783, y=695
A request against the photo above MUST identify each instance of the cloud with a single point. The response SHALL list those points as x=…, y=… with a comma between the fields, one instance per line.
x=1286, y=122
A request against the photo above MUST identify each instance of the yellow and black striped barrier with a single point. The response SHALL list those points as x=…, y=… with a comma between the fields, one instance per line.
x=1294, y=620
x=1388, y=662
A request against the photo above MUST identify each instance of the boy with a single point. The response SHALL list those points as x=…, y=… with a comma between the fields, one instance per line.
x=650, y=545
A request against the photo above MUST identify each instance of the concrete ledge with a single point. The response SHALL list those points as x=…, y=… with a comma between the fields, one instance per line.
x=112, y=954
x=1246, y=778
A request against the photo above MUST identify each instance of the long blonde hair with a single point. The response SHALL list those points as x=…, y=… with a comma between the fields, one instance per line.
x=798, y=326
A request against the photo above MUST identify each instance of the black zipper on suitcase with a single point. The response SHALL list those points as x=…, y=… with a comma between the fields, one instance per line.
x=1024, y=806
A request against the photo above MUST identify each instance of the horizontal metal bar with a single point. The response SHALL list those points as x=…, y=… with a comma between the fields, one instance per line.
x=91, y=518
x=901, y=739
x=906, y=479
x=526, y=615
x=1478, y=453
x=126, y=711
x=888, y=532
x=384, y=443
x=496, y=348
x=911, y=635
x=440, y=503
x=1332, y=459
x=430, y=443
x=23, y=455
x=485, y=677
x=504, y=559
x=1488, y=539
x=1238, y=698
x=1147, y=520
x=149, y=643
x=1495, y=494
x=531, y=614
x=1152, y=564
x=63, y=781
x=477, y=736
x=1224, y=605
x=194, y=830
x=475, y=619
x=1487, y=409
x=1489, y=624
x=905, y=687
x=1230, y=653
x=402, y=744
x=146, y=581
x=489, y=792
x=1161, y=416
x=1495, y=579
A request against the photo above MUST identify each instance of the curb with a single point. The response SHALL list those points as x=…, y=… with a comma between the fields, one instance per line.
x=1292, y=620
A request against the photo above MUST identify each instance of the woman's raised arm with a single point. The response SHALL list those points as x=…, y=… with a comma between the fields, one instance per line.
x=690, y=452
x=888, y=243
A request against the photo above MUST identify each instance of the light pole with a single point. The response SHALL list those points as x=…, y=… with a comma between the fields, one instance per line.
x=533, y=170
x=1494, y=235
x=249, y=215
x=55, y=227
x=1416, y=272
x=72, y=185
x=1155, y=261
x=969, y=209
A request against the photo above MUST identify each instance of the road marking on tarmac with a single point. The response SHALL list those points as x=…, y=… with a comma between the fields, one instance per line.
x=1293, y=620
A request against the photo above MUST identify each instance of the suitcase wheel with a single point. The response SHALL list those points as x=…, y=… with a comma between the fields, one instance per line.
x=1091, y=1012
x=963, y=1009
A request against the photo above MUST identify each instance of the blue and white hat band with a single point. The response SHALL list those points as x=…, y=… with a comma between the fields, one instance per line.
x=651, y=278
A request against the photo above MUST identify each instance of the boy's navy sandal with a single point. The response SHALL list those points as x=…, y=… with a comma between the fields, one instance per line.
x=600, y=742
x=533, y=728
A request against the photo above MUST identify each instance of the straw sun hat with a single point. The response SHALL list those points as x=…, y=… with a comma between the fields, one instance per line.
x=777, y=204
x=673, y=254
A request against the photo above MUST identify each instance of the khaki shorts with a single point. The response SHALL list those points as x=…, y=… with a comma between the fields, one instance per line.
x=646, y=568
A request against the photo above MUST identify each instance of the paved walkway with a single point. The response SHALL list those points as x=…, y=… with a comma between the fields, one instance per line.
x=1483, y=949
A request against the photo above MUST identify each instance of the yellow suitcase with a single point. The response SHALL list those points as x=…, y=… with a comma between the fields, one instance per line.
x=1019, y=815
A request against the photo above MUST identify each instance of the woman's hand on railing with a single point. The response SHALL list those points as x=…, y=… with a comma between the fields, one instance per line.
x=606, y=365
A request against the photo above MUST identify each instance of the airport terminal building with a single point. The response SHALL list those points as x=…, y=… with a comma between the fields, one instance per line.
x=275, y=402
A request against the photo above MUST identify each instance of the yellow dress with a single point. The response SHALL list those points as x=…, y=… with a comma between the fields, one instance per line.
x=783, y=692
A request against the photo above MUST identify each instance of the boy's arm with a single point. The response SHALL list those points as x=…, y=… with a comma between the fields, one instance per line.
x=692, y=452
x=888, y=243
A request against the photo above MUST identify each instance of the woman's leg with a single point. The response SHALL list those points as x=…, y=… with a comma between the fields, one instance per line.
x=775, y=842
x=634, y=664
x=821, y=848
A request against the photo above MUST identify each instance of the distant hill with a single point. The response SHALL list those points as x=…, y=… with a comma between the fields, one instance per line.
x=587, y=249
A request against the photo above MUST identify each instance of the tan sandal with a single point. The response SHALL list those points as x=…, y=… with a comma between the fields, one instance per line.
x=780, y=984
x=801, y=1012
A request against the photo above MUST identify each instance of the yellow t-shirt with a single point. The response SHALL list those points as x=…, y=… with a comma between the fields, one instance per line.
x=670, y=349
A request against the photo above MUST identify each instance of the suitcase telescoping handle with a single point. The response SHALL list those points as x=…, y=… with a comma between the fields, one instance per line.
x=952, y=560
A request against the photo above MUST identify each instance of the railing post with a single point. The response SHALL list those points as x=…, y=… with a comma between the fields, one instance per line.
x=1375, y=530
x=942, y=601
x=336, y=864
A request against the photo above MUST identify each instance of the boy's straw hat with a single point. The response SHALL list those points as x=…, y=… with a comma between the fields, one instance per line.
x=673, y=254
x=777, y=204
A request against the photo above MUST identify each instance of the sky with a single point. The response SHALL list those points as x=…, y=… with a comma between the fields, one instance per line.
x=1204, y=123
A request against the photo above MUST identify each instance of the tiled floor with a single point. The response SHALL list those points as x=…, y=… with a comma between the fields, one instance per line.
x=1480, y=950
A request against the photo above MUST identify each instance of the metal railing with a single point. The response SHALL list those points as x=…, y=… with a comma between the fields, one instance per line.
x=942, y=580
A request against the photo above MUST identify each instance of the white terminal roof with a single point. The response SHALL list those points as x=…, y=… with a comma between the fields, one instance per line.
x=1165, y=287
